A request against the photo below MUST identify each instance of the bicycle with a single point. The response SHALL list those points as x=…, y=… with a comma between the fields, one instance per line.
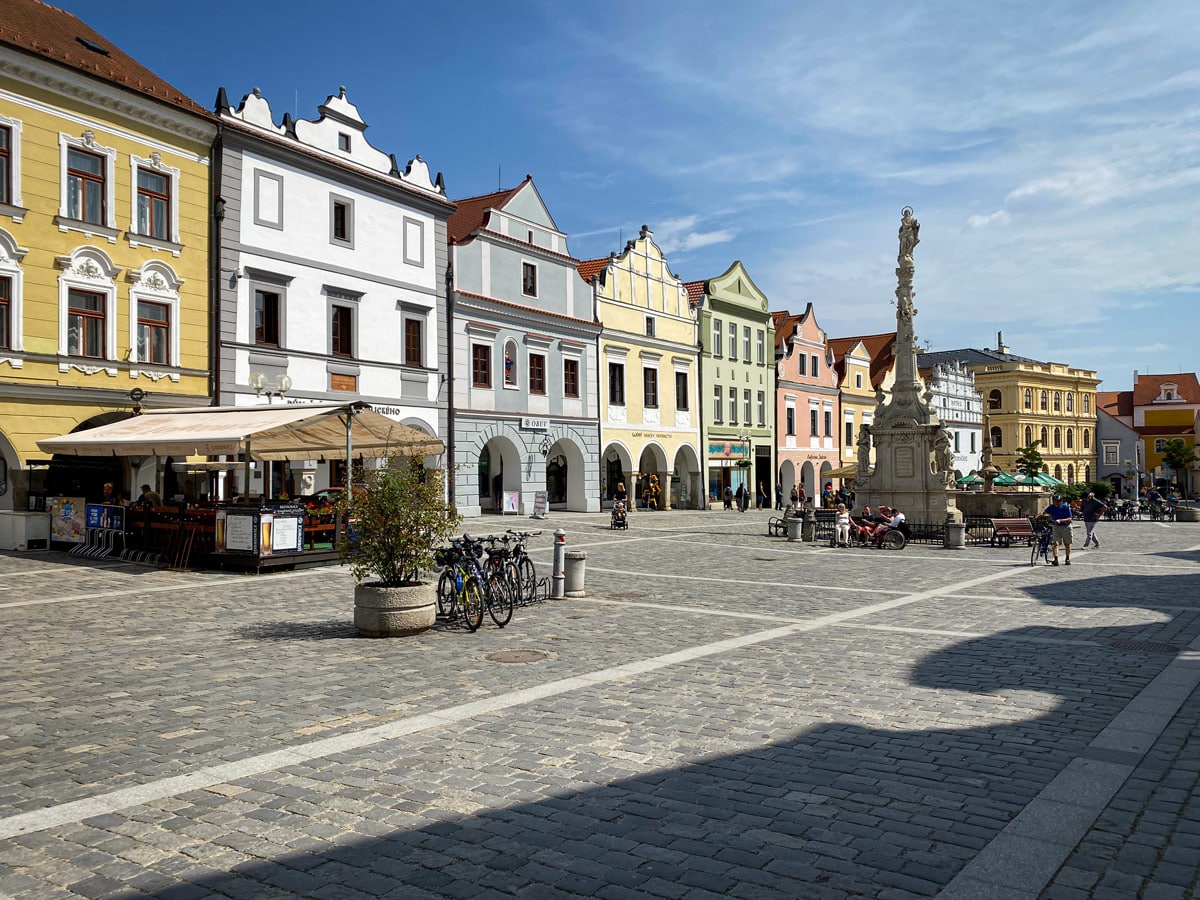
x=459, y=591
x=502, y=582
x=526, y=571
x=1041, y=545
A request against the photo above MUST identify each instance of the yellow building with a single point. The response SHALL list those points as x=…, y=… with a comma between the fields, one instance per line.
x=1025, y=401
x=865, y=365
x=104, y=230
x=1165, y=408
x=649, y=422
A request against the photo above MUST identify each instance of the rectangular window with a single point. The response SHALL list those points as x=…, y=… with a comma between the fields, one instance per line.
x=746, y=343
x=1160, y=444
x=849, y=442
x=537, y=373
x=413, y=347
x=813, y=417
x=266, y=318
x=154, y=333
x=341, y=221
x=733, y=340
x=570, y=378
x=529, y=279
x=649, y=326
x=802, y=364
x=1110, y=454
x=815, y=365
x=972, y=442
x=733, y=420
x=5, y=314
x=858, y=379
x=829, y=423
x=716, y=347
x=481, y=366
x=791, y=421
x=717, y=406
x=85, y=187
x=85, y=324
x=342, y=331
x=681, y=391
x=6, y=191
x=762, y=347
x=762, y=409
x=957, y=442
x=343, y=142
x=154, y=205
x=616, y=383
x=746, y=417
x=650, y=388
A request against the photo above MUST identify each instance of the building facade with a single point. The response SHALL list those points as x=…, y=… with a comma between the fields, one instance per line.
x=959, y=407
x=524, y=350
x=1119, y=459
x=1025, y=401
x=104, y=251
x=1159, y=409
x=737, y=376
x=649, y=420
x=330, y=282
x=807, y=406
x=864, y=366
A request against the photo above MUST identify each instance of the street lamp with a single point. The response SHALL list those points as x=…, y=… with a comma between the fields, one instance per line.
x=258, y=381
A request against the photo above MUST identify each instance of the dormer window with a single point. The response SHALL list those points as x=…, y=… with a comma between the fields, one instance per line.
x=1168, y=391
x=343, y=142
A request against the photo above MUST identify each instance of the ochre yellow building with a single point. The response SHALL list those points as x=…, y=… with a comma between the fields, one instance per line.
x=649, y=422
x=865, y=365
x=104, y=264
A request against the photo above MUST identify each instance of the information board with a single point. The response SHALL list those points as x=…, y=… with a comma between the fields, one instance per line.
x=540, y=505
x=66, y=519
x=512, y=502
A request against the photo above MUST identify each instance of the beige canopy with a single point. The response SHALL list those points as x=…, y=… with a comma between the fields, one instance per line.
x=301, y=431
x=850, y=470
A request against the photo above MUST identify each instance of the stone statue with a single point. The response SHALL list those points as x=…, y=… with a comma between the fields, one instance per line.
x=943, y=456
x=864, y=450
x=909, y=228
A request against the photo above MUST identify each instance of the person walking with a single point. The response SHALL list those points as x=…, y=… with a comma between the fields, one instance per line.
x=795, y=497
x=1059, y=514
x=760, y=499
x=1092, y=510
x=740, y=496
x=728, y=497
x=779, y=496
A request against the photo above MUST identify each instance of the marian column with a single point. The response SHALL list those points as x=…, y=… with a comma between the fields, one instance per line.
x=913, y=461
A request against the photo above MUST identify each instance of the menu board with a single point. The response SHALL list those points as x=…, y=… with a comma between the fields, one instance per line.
x=239, y=532
x=66, y=519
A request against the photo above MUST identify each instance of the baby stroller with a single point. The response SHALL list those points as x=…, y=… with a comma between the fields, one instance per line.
x=620, y=518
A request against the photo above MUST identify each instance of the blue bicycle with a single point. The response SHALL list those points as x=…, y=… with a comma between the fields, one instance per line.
x=1041, y=544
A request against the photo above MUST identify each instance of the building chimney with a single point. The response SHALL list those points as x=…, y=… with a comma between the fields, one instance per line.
x=1000, y=346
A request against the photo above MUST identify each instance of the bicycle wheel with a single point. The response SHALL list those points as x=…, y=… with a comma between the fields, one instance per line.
x=1036, y=552
x=499, y=598
x=470, y=601
x=445, y=594
x=527, y=579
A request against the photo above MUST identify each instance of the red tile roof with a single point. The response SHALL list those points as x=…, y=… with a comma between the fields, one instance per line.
x=590, y=268
x=695, y=291
x=882, y=348
x=472, y=211
x=1115, y=403
x=43, y=30
x=1147, y=387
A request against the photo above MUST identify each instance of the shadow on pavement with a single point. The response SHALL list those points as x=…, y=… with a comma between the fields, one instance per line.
x=839, y=810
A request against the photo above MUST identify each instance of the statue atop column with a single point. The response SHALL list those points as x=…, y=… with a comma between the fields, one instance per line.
x=909, y=229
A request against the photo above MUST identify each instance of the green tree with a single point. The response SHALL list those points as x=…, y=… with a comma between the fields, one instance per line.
x=1029, y=460
x=1178, y=455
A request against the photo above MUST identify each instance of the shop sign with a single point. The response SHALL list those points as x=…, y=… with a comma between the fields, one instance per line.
x=728, y=449
x=531, y=424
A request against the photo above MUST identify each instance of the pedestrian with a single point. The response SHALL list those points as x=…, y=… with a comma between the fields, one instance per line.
x=1092, y=510
x=1059, y=514
x=779, y=497
x=497, y=489
x=795, y=497
x=760, y=500
x=827, y=496
x=802, y=498
x=740, y=496
x=728, y=497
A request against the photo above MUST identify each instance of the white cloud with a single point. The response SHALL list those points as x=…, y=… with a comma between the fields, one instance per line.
x=999, y=216
x=681, y=235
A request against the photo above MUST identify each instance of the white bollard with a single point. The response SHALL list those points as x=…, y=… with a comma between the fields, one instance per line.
x=575, y=574
x=558, y=574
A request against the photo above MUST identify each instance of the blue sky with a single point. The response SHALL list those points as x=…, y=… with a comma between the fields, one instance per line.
x=1051, y=150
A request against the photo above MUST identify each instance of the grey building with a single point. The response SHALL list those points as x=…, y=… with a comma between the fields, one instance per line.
x=523, y=357
x=1118, y=444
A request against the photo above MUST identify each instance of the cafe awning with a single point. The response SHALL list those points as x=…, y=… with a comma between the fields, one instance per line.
x=850, y=470
x=300, y=431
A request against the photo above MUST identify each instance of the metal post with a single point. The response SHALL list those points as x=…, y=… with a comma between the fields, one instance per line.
x=558, y=576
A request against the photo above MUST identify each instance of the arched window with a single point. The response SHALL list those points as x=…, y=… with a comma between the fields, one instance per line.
x=1057, y=401
x=1070, y=474
x=1070, y=438
x=1045, y=436
x=1057, y=438
x=1045, y=401
x=1087, y=473
x=1045, y=469
x=1087, y=404
x=994, y=400
x=510, y=363
x=1087, y=441
x=1028, y=398
x=1070, y=402
x=997, y=440
x=1028, y=435
x=1058, y=472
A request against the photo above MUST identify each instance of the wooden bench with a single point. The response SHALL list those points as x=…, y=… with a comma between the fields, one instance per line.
x=1004, y=531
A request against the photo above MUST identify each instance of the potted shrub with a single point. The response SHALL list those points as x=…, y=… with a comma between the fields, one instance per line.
x=396, y=518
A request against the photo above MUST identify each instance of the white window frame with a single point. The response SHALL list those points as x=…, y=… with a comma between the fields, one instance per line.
x=334, y=201
x=414, y=239
x=733, y=404
x=87, y=269
x=421, y=315
x=747, y=406
x=762, y=409
x=733, y=342
x=154, y=164
x=762, y=347
x=718, y=337
x=11, y=257
x=746, y=343
x=718, y=404
x=155, y=282
x=261, y=175
x=536, y=279
x=87, y=144
x=1112, y=448
x=14, y=208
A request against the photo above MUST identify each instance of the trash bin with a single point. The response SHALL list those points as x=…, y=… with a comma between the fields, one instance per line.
x=808, y=527
x=793, y=528
x=956, y=535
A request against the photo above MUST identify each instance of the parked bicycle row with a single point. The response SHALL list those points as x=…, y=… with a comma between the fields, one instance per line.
x=470, y=585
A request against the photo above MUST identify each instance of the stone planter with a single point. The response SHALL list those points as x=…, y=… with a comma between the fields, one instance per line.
x=394, y=611
x=1187, y=514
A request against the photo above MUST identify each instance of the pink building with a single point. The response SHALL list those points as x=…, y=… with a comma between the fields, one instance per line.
x=806, y=402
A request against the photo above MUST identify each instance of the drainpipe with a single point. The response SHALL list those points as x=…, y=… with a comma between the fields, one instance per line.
x=216, y=218
x=448, y=325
